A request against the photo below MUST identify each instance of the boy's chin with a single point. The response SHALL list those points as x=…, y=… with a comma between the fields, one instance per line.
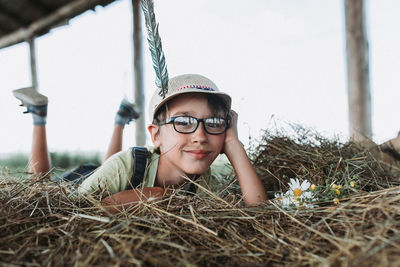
x=195, y=171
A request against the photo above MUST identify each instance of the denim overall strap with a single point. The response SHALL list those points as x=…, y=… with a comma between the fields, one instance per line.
x=140, y=158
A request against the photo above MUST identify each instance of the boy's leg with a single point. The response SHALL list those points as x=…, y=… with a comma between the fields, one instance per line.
x=40, y=160
x=126, y=113
x=116, y=141
x=36, y=104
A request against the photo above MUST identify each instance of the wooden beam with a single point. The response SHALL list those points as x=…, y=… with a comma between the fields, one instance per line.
x=46, y=23
x=359, y=93
x=138, y=73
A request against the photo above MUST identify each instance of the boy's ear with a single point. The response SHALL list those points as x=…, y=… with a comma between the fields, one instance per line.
x=154, y=133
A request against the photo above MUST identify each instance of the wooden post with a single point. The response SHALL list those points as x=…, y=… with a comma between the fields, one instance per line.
x=138, y=73
x=359, y=92
x=32, y=55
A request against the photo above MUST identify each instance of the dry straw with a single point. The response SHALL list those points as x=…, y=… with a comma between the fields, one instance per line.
x=41, y=224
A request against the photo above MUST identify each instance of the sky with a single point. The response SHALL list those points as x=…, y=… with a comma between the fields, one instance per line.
x=282, y=62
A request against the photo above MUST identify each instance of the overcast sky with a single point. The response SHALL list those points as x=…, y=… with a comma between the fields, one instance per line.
x=280, y=59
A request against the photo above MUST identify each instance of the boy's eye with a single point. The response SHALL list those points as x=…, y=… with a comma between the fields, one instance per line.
x=215, y=123
x=183, y=121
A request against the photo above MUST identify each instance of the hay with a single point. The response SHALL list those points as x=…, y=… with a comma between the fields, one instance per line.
x=305, y=154
x=42, y=225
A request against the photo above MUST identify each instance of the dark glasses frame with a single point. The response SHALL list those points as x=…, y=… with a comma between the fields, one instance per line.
x=172, y=120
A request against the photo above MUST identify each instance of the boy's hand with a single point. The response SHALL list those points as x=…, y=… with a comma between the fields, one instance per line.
x=128, y=198
x=252, y=189
x=231, y=134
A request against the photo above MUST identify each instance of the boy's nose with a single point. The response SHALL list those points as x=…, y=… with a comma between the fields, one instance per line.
x=200, y=134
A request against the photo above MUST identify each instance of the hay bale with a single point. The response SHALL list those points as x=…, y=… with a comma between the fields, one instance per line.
x=42, y=225
x=305, y=154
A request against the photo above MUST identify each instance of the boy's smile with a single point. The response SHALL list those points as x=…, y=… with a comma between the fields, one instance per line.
x=186, y=154
x=198, y=154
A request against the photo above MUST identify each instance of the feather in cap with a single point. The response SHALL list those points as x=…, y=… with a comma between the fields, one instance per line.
x=155, y=46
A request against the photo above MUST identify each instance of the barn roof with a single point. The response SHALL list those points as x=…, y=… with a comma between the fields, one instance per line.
x=22, y=19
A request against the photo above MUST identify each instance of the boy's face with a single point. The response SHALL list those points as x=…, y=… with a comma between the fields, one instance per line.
x=188, y=153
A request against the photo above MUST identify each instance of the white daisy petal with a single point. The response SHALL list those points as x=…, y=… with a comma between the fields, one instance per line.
x=307, y=195
x=305, y=185
x=286, y=202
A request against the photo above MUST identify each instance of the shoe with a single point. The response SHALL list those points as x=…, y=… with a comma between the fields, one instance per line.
x=35, y=102
x=128, y=110
x=30, y=96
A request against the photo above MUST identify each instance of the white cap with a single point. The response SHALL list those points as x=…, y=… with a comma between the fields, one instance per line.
x=186, y=83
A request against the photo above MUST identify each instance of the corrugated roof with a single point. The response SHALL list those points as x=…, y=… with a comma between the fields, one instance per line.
x=21, y=18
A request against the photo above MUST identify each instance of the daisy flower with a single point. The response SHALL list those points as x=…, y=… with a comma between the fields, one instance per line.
x=282, y=199
x=308, y=195
x=298, y=196
x=298, y=189
x=278, y=198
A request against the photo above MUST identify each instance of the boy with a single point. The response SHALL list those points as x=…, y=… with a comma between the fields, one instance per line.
x=190, y=127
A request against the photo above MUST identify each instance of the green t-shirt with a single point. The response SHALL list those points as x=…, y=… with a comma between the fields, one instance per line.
x=115, y=173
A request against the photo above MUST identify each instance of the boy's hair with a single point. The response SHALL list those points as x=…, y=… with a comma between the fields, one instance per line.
x=217, y=104
x=183, y=84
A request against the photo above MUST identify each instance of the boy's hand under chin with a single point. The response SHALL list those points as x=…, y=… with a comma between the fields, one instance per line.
x=231, y=135
x=252, y=189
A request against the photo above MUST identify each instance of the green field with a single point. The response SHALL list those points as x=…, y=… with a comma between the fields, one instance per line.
x=59, y=160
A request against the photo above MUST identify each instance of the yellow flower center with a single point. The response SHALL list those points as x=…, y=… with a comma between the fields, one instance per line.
x=313, y=187
x=297, y=192
x=352, y=184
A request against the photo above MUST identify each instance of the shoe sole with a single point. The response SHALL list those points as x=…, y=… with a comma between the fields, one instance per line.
x=30, y=96
x=132, y=107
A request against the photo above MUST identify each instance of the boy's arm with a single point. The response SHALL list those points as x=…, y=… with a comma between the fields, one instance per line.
x=128, y=198
x=252, y=189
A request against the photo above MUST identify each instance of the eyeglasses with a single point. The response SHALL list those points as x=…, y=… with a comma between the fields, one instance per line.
x=188, y=124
